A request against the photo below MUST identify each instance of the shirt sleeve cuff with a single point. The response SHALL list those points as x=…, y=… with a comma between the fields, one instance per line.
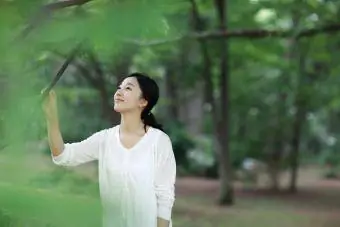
x=61, y=158
x=164, y=213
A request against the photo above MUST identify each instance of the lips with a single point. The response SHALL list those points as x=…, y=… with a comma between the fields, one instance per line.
x=119, y=100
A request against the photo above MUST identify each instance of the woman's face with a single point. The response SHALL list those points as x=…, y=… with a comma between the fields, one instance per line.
x=128, y=96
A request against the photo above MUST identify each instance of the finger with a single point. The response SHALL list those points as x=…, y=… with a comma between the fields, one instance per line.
x=52, y=94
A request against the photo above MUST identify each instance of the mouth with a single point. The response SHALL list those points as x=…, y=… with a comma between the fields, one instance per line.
x=119, y=100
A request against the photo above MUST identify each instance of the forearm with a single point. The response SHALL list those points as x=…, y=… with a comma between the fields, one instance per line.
x=162, y=222
x=55, y=138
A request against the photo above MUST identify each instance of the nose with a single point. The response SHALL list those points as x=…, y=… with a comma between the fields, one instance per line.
x=119, y=93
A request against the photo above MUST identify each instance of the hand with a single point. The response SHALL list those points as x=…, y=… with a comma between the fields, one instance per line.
x=162, y=222
x=50, y=106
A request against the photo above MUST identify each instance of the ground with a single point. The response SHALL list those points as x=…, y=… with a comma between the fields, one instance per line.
x=316, y=204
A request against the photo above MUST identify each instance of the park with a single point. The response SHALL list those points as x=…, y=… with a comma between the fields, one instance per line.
x=248, y=96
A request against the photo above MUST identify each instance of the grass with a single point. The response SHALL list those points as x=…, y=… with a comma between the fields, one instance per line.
x=34, y=193
x=47, y=208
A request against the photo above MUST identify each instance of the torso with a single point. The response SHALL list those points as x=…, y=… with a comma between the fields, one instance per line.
x=129, y=140
x=126, y=175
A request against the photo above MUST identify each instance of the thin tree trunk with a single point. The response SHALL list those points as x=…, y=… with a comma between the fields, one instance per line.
x=207, y=63
x=279, y=139
x=226, y=190
x=300, y=102
x=301, y=105
x=171, y=89
x=220, y=119
x=279, y=136
x=295, y=144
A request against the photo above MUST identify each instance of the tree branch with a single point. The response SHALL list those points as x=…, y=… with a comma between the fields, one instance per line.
x=82, y=68
x=64, y=4
x=243, y=33
x=46, y=11
x=61, y=71
x=263, y=33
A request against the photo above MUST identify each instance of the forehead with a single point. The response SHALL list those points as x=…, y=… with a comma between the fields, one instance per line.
x=130, y=81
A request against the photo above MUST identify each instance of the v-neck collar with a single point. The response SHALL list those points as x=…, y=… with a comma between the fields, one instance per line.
x=136, y=145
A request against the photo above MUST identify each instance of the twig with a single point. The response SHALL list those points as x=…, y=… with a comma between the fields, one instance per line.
x=61, y=71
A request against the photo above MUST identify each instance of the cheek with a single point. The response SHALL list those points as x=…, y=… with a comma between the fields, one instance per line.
x=132, y=100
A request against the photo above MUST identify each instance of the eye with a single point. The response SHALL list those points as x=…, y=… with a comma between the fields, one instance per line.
x=128, y=88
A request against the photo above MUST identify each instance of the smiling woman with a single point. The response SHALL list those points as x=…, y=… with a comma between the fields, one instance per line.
x=137, y=167
x=138, y=90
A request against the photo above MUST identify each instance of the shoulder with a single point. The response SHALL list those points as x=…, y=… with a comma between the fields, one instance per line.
x=161, y=138
x=163, y=146
x=103, y=133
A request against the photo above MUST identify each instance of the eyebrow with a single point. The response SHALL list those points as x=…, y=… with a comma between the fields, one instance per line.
x=130, y=84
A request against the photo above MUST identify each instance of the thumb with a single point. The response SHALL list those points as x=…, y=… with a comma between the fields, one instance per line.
x=52, y=94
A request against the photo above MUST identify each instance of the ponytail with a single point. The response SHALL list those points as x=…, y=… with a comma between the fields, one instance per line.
x=149, y=120
x=149, y=92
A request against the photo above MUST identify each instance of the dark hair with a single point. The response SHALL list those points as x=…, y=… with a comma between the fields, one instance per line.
x=150, y=92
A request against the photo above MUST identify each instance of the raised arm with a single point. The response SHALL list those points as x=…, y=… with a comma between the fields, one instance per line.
x=55, y=139
x=165, y=178
x=81, y=152
x=70, y=154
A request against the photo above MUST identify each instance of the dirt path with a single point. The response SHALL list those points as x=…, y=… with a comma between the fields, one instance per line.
x=315, y=195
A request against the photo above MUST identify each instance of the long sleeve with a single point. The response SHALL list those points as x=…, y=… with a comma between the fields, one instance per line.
x=81, y=152
x=165, y=177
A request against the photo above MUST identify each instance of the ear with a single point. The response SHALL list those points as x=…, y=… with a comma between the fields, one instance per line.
x=143, y=103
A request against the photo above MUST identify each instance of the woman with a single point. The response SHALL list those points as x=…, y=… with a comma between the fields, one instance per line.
x=137, y=168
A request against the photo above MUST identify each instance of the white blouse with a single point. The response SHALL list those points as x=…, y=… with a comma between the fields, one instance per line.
x=137, y=185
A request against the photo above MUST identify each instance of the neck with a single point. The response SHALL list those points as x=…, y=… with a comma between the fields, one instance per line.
x=131, y=122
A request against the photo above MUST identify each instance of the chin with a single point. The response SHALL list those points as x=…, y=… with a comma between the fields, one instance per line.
x=118, y=110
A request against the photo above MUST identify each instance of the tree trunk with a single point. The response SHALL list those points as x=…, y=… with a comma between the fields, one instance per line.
x=226, y=190
x=220, y=119
x=207, y=63
x=279, y=137
x=301, y=105
x=171, y=91
x=282, y=111
x=295, y=144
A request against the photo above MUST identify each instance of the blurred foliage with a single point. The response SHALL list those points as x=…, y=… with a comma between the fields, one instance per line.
x=270, y=79
x=181, y=143
x=201, y=157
